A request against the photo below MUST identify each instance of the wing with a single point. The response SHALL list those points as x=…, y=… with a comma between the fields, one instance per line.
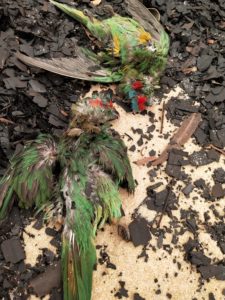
x=81, y=67
x=111, y=153
x=30, y=177
x=141, y=14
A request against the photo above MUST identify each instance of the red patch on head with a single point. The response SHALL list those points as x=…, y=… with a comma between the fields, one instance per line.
x=96, y=102
x=141, y=102
x=137, y=85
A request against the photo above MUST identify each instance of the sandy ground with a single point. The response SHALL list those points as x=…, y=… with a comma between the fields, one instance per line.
x=159, y=277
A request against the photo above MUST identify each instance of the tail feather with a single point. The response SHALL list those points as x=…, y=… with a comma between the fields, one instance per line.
x=78, y=265
x=78, y=254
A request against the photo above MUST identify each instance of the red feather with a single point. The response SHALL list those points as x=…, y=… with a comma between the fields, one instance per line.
x=141, y=102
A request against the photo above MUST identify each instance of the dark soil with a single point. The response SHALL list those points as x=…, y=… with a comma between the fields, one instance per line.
x=34, y=101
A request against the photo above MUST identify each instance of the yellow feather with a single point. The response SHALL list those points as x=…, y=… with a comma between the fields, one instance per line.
x=116, y=46
x=144, y=37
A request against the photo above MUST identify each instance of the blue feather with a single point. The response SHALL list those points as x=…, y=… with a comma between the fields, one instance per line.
x=132, y=94
x=134, y=104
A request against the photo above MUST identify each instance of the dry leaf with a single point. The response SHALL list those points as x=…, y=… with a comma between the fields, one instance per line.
x=182, y=135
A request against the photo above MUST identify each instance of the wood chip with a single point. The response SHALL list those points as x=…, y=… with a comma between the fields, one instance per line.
x=182, y=135
x=12, y=250
x=45, y=282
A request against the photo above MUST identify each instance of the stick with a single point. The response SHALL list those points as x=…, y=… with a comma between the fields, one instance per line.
x=162, y=117
x=169, y=188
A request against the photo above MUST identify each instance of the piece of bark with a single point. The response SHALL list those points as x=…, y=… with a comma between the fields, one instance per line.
x=12, y=250
x=182, y=135
x=45, y=282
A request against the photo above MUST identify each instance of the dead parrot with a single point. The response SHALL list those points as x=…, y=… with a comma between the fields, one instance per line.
x=74, y=179
x=132, y=52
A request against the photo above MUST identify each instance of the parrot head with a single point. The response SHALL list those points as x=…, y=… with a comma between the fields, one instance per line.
x=97, y=109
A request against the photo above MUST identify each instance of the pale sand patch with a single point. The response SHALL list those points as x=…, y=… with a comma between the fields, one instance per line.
x=33, y=246
x=140, y=276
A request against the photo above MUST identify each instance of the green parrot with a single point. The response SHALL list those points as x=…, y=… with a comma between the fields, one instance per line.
x=74, y=179
x=129, y=53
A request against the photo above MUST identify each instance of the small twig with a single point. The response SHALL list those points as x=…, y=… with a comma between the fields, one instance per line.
x=169, y=189
x=216, y=148
x=145, y=160
x=130, y=137
x=162, y=117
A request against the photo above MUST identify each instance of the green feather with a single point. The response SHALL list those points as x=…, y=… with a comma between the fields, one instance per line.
x=78, y=254
x=30, y=176
x=128, y=51
x=108, y=194
x=112, y=155
x=82, y=174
